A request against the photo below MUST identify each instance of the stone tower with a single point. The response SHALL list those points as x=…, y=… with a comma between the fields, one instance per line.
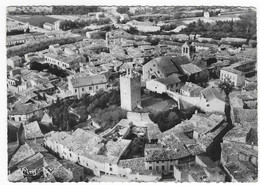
x=185, y=50
x=130, y=90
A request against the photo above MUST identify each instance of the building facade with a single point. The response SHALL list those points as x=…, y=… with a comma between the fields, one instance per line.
x=130, y=90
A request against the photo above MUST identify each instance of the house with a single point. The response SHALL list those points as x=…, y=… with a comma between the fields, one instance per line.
x=32, y=166
x=191, y=90
x=214, y=99
x=182, y=143
x=201, y=170
x=194, y=73
x=15, y=61
x=139, y=171
x=21, y=112
x=162, y=67
x=206, y=14
x=237, y=77
x=57, y=25
x=48, y=26
x=64, y=61
x=80, y=85
x=33, y=133
x=230, y=40
x=203, y=46
x=203, y=39
x=239, y=161
x=161, y=85
x=75, y=170
x=21, y=154
x=179, y=37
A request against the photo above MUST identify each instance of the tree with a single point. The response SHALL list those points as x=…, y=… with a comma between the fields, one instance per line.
x=177, y=15
x=133, y=31
x=226, y=86
x=122, y=9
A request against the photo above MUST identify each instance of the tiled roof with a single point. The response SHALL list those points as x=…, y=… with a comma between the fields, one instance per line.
x=89, y=80
x=37, y=147
x=137, y=165
x=211, y=93
x=153, y=131
x=173, y=149
x=70, y=165
x=16, y=176
x=61, y=175
x=15, y=58
x=26, y=108
x=32, y=130
x=116, y=148
x=191, y=87
x=33, y=162
x=241, y=173
x=191, y=69
x=21, y=154
x=172, y=79
x=237, y=132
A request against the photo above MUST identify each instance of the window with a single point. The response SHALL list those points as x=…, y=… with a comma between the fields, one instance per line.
x=96, y=87
x=110, y=169
x=75, y=90
x=19, y=118
x=157, y=161
x=82, y=89
x=90, y=88
x=150, y=167
x=70, y=154
x=162, y=161
x=171, y=167
x=157, y=168
x=162, y=168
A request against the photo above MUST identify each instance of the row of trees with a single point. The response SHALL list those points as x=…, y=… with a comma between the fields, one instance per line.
x=69, y=24
x=243, y=28
x=51, y=69
x=41, y=45
x=74, y=10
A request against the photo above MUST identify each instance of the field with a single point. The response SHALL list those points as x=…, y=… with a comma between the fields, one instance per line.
x=34, y=20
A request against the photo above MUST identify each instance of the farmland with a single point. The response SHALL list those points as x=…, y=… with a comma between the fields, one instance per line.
x=34, y=20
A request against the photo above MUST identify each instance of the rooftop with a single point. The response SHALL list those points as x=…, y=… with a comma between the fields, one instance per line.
x=191, y=87
x=33, y=162
x=137, y=165
x=116, y=148
x=211, y=93
x=172, y=79
x=61, y=175
x=70, y=165
x=21, y=154
x=89, y=80
x=191, y=69
x=32, y=130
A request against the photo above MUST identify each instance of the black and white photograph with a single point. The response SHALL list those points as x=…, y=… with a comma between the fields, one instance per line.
x=130, y=93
